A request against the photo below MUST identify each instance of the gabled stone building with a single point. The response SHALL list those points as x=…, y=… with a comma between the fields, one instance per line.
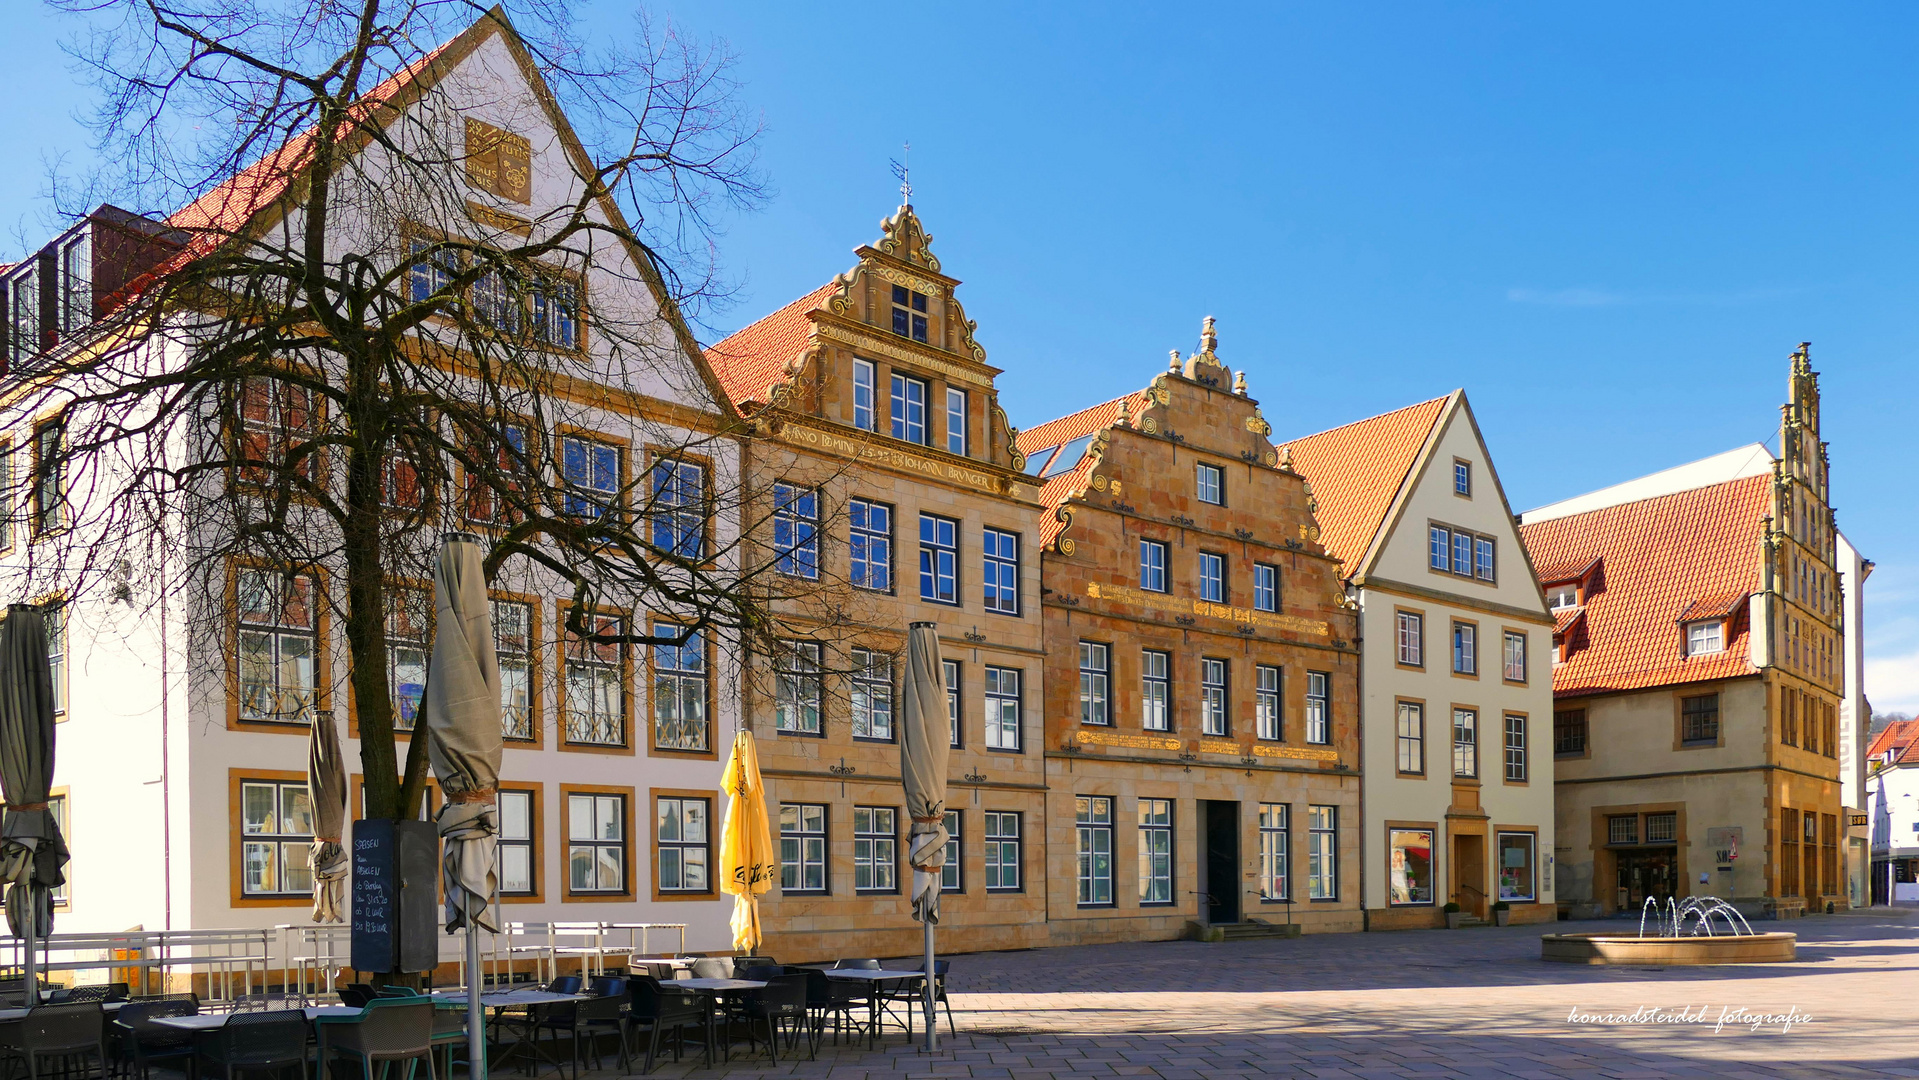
x=898, y=497
x=1201, y=733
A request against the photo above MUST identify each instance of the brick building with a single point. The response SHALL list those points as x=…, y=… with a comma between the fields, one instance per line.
x=884, y=437
x=1201, y=703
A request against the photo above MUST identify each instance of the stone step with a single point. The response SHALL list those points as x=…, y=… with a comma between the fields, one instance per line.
x=1248, y=931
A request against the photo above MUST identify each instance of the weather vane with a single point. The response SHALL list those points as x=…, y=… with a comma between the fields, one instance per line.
x=900, y=170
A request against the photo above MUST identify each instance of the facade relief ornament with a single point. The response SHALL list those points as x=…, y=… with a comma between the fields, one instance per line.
x=906, y=239
x=1257, y=424
x=1012, y=437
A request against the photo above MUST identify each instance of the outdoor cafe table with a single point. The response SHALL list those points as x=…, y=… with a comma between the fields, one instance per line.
x=210, y=1021
x=873, y=978
x=714, y=988
x=535, y=1002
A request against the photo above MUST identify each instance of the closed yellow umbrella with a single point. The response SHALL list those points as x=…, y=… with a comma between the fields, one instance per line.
x=747, y=861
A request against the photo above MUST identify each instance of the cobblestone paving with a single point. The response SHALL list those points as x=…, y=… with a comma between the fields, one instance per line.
x=1413, y=1004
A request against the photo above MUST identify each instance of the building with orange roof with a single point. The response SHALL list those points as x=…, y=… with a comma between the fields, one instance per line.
x=1892, y=811
x=882, y=437
x=1699, y=668
x=1202, y=673
x=1454, y=688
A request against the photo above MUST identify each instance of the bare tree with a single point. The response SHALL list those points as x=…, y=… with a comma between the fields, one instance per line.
x=376, y=319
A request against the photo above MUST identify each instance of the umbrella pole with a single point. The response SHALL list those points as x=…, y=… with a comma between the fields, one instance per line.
x=27, y=943
x=475, y=1015
x=932, y=1028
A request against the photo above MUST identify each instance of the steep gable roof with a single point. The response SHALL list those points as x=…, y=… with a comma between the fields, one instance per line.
x=749, y=361
x=1040, y=443
x=1901, y=737
x=1691, y=553
x=1358, y=470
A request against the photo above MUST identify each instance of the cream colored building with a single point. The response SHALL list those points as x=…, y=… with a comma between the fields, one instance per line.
x=1455, y=668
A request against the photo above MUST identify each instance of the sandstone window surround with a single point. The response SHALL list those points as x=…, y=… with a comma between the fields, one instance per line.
x=1275, y=852
x=1155, y=690
x=1155, y=852
x=1269, y=702
x=1095, y=675
x=803, y=848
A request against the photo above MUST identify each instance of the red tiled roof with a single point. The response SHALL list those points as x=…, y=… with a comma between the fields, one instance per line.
x=1560, y=573
x=1901, y=736
x=1717, y=606
x=1055, y=489
x=1565, y=618
x=1663, y=555
x=1357, y=470
x=753, y=358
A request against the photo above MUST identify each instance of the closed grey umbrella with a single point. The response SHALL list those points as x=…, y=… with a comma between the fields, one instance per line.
x=924, y=740
x=32, y=852
x=326, y=786
x=463, y=741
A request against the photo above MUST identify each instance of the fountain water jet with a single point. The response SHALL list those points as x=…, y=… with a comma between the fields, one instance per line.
x=1683, y=933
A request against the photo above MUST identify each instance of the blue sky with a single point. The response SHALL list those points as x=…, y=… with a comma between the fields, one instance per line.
x=1610, y=225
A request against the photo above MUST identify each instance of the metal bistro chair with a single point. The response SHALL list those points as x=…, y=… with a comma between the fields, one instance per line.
x=271, y=1041
x=600, y=1014
x=837, y=999
x=67, y=1033
x=783, y=999
x=395, y=1029
x=664, y=1007
x=940, y=968
x=140, y=1040
x=710, y=967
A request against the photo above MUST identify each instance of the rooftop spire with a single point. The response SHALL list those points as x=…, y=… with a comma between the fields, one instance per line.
x=901, y=170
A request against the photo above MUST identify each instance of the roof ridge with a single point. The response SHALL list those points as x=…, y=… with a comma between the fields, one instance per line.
x=1367, y=419
x=1692, y=491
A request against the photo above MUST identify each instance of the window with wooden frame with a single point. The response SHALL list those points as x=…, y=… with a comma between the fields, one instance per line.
x=24, y=337
x=956, y=421
x=1465, y=648
x=513, y=644
x=1322, y=852
x=1516, y=747
x=61, y=894
x=400, y=484
x=493, y=492
x=596, y=841
x=1514, y=657
x=591, y=473
x=277, y=645
x=1466, y=743
x=683, y=844
x=1210, y=484
x=1410, y=631
x=518, y=841
x=1462, y=553
x=678, y=508
x=1412, y=738
x=939, y=559
x=276, y=837
x=279, y=421
x=1462, y=477
x=680, y=692
x=409, y=636
x=1569, y=733
x=1093, y=839
x=594, y=683
x=1699, y=720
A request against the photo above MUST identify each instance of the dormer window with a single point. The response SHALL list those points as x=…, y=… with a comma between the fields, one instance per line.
x=909, y=313
x=1705, y=637
x=1561, y=597
x=76, y=284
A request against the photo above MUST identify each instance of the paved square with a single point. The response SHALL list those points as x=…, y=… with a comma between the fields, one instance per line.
x=1424, y=1004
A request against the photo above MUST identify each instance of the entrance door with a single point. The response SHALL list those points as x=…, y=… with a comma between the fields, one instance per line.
x=1645, y=873
x=1222, y=860
x=1469, y=873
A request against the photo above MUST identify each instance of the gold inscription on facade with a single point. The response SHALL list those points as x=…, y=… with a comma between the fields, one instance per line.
x=1221, y=746
x=1136, y=742
x=1301, y=753
x=873, y=345
x=1127, y=595
x=888, y=456
x=499, y=161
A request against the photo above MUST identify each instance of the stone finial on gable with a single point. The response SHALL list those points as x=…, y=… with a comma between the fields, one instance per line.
x=1204, y=366
x=1172, y=360
x=1239, y=384
x=1285, y=459
x=907, y=240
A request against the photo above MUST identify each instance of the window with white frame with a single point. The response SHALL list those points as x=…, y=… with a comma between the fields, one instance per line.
x=1155, y=851
x=1515, y=656
x=872, y=694
x=1095, y=669
x=797, y=688
x=950, y=678
x=1462, y=553
x=1152, y=565
x=1412, y=737
x=1210, y=481
x=796, y=531
x=909, y=409
x=1002, y=697
x=865, y=385
x=596, y=682
x=1093, y=841
x=951, y=879
x=802, y=847
x=1462, y=477
x=1269, y=702
x=1000, y=553
x=1411, y=638
x=55, y=613
x=955, y=421
x=1319, y=707
x=684, y=844
x=513, y=644
x=1561, y=597
x=57, y=810
x=591, y=470
x=680, y=692
x=1275, y=851
x=276, y=837
x=278, y=641
x=595, y=843
x=1465, y=743
x=870, y=544
x=1265, y=587
x=1213, y=708
x=875, y=849
x=679, y=508
x=1705, y=637
x=1465, y=649
x=939, y=559
x=1001, y=834
x=515, y=844
x=1322, y=853
x=1155, y=690
x=1212, y=577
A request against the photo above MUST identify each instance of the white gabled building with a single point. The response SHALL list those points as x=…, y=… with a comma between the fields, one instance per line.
x=1455, y=670
x=182, y=766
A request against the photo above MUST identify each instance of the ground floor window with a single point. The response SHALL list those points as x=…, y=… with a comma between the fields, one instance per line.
x=950, y=869
x=1002, y=850
x=516, y=844
x=875, y=849
x=1322, y=853
x=682, y=844
x=1275, y=851
x=596, y=843
x=1517, y=879
x=276, y=827
x=802, y=847
x=1411, y=865
x=1093, y=836
x=1155, y=851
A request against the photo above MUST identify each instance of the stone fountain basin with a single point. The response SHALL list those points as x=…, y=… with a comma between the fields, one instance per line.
x=1768, y=948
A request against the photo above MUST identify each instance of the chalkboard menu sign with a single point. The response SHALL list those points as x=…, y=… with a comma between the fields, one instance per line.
x=396, y=868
